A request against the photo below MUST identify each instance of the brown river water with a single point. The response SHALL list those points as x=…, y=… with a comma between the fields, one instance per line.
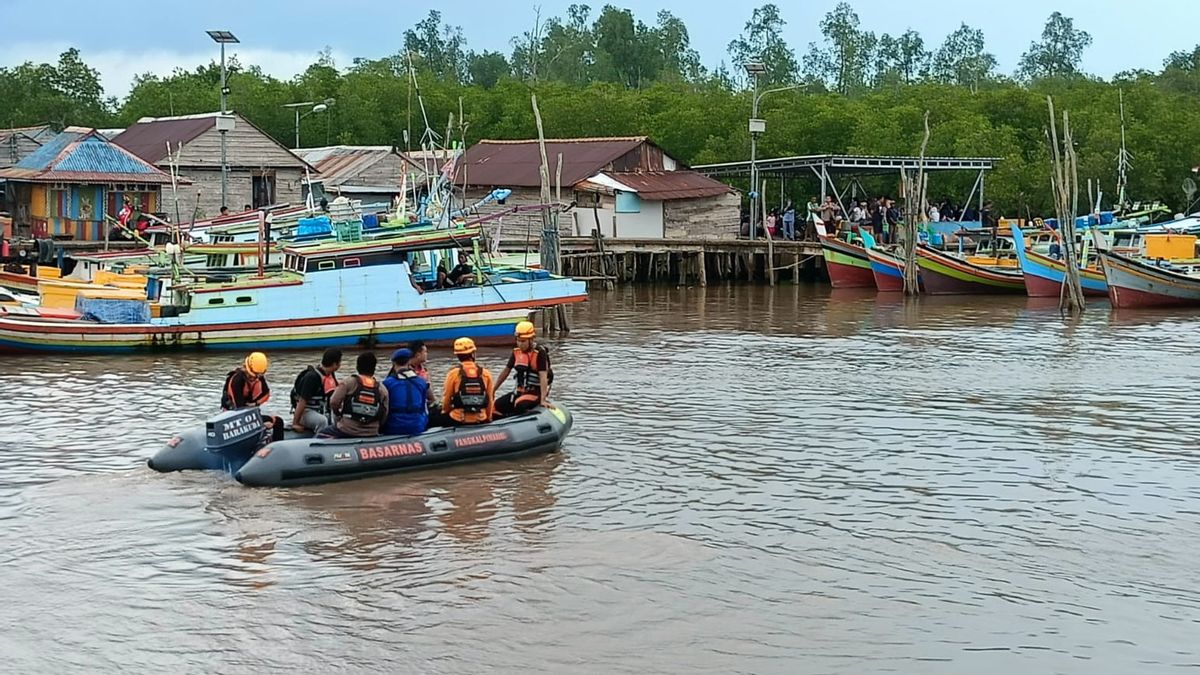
x=790, y=480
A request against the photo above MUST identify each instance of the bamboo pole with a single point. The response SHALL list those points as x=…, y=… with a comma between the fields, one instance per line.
x=770, y=255
x=914, y=206
x=1065, y=179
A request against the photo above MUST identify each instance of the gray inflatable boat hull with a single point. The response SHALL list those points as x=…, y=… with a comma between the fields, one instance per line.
x=306, y=460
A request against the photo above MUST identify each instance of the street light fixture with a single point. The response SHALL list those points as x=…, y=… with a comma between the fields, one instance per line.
x=223, y=37
x=316, y=108
x=757, y=126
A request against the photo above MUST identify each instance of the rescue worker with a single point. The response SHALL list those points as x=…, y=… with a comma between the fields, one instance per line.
x=359, y=404
x=409, y=395
x=531, y=363
x=246, y=387
x=420, y=356
x=468, y=395
x=311, y=392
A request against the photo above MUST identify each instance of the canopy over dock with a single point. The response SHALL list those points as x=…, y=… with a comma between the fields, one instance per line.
x=825, y=167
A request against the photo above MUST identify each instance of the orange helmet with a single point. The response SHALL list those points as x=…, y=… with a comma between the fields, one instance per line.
x=464, y=346
x=257, y=363
x=526, y=331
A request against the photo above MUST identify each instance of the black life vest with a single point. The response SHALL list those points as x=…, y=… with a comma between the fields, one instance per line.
x=472, y=390
x=365, y=405
x=321, y=403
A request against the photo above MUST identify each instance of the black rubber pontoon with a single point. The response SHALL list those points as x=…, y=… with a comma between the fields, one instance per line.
x=232, y=442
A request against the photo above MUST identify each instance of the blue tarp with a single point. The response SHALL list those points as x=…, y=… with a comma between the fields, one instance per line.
x=113, y=311
x=319, y=225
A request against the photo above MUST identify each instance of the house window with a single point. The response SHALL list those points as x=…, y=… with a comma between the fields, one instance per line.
x=263, y=189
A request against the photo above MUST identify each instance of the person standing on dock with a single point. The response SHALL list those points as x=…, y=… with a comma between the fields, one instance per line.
x=831, y=216
x=812, y=218
x=468, y=396
x=789, y=221
x=531, y=363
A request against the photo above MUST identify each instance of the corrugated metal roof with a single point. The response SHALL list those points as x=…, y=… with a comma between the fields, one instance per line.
x=148, y=138
x=41, y=158
x=517, y=163
x=37, y=133
x=83, y=156
x=340, y=165
x=659, y=185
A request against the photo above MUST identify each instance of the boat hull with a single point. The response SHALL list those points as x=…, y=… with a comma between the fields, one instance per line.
x=305, y=461
x=23, y=334
x=1044, y=278
x=1133, y=284
x=22, y=283
x=846, y=264
x=943, y=274
x=888, y=271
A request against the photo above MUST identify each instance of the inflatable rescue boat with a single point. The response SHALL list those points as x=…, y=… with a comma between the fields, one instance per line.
x=233, y=442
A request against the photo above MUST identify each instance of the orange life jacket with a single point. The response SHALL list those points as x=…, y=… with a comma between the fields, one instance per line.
x=253, y=391
x=525, y=368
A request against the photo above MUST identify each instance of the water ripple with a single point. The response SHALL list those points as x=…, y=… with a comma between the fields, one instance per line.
x=759, y=481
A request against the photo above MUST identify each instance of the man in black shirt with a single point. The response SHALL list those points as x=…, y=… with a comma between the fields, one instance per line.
x=311, y=392
x=461, y=275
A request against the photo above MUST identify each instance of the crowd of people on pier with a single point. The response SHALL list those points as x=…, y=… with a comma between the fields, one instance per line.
x=880, y=215
x=403, y=402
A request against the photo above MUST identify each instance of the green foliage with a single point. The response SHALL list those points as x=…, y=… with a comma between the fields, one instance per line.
x=962, y=59
x=612, y=74
x=845, y=61
x=1059, y=52
x=62, y=94
x=762, y=41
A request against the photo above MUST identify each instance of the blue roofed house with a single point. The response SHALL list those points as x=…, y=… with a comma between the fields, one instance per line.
x=67, y=187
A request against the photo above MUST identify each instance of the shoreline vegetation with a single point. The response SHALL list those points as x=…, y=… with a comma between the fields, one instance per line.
x=608, y=72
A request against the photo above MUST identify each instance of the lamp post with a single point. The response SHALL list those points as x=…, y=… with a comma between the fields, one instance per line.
x=757, y=126
x=223, y=37
x=316, y=108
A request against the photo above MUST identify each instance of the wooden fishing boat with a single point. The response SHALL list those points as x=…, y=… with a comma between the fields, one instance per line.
x=1134, y=284
x=1044, y=273
x=887, y=264
x=333, y=294
x=943, y=273
x=845, y=262
x=1167, y=274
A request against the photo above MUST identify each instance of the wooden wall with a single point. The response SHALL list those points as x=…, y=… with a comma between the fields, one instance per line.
x=207, y=182
x=245, y=147
x=16, y=147
x=704, y=218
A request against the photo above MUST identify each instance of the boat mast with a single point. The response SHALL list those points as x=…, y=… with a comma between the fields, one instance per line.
x=1123, y=158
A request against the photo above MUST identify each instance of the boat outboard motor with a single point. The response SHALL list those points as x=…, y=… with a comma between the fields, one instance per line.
x=235, y=435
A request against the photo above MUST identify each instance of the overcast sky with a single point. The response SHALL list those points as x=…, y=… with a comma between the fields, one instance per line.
x=284, y=37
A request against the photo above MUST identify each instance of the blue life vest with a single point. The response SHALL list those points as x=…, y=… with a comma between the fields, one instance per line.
x=407, y=413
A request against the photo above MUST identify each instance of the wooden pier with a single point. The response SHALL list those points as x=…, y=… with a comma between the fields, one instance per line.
x=683, y=261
